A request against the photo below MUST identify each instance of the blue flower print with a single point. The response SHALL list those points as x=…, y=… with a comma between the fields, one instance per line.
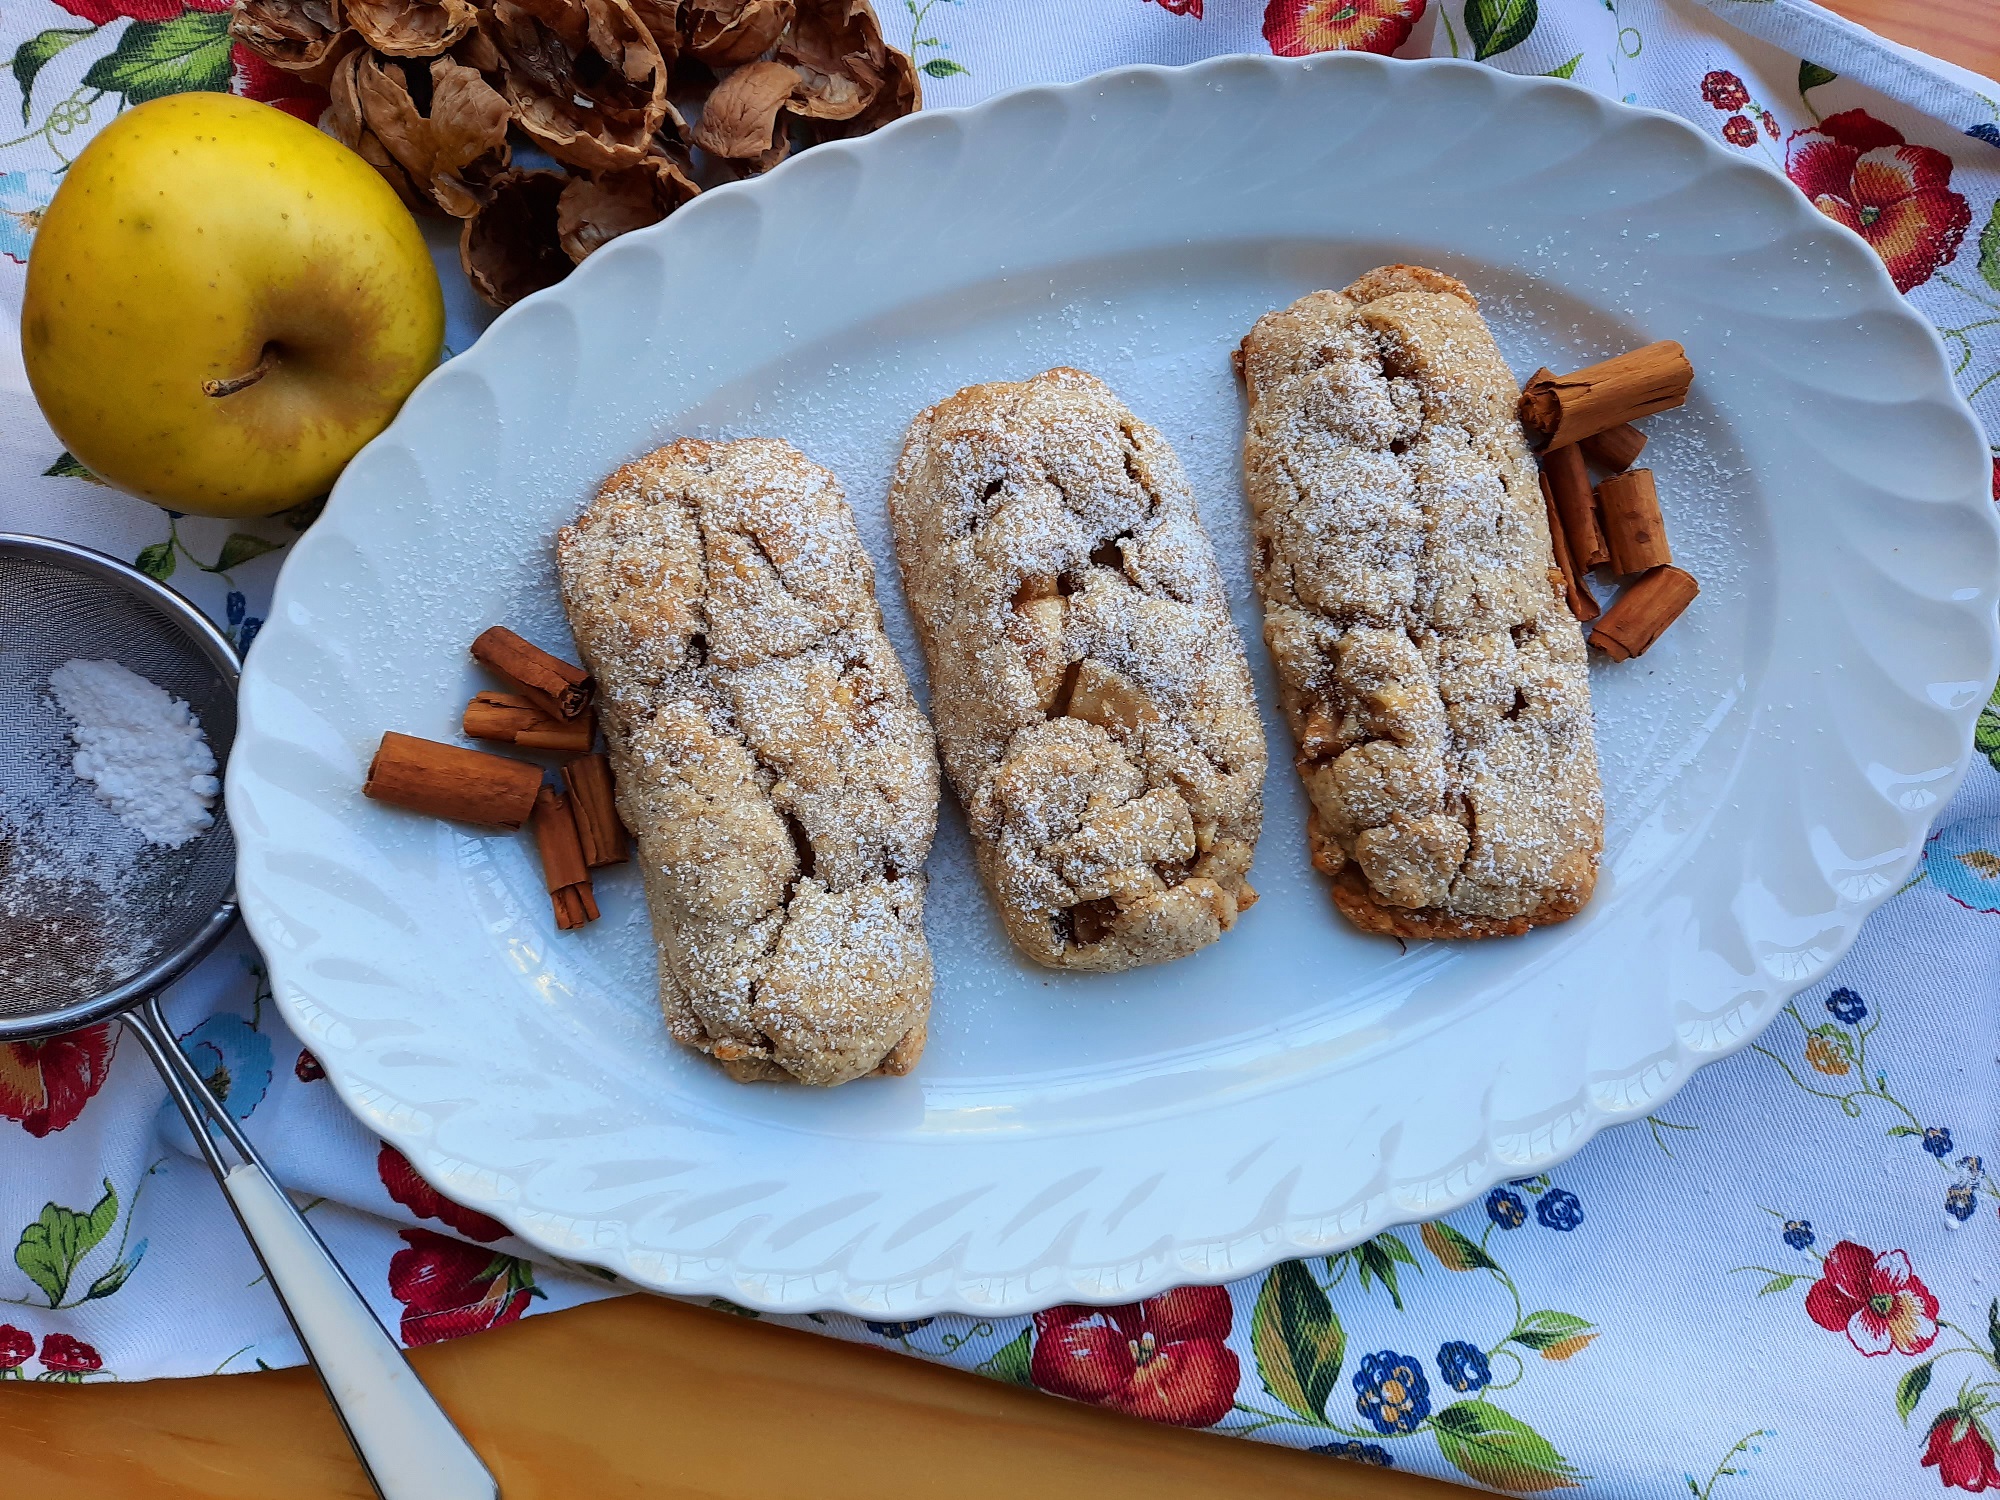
x=1937, y=1141
x=246, y=633
x=1798, y=1233
x=1391, y=1392
x=1847, y=1007
x=1963, y=861
x=1986, y=132
x=1960, y=1202
x=234, y=606
x=1558, y=1209
x=898, y=1330
x=24, y=196
x=1357, y=1452
x=233, y=1059
x=1506, y=1209
x=1463, y=1366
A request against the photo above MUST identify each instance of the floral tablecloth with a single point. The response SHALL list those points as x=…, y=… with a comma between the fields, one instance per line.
x=1782, y=1285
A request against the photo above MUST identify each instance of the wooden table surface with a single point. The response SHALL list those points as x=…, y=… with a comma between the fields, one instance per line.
x=641, y=1397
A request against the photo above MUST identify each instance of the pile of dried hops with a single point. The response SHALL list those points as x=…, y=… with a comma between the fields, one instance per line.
x=640, y=102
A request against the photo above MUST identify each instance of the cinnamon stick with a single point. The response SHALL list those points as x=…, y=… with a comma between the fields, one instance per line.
x=563, y=868
x=512, y=719
x=1569, y=486
x=1615, y=448
x=1633, y=526
x=468, y=786
x=550, y=683
x=597, y=824
x=1637, y=617
x=1559, y=410
x=1581, y=603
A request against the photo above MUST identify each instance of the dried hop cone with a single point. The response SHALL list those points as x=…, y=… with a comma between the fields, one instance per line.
x=305, y=37
x=585, y=79
x=831, y=74
x=444, y=125
x=346, y=120
x=512, y=246
x=727, y=33
x=596, y=210
x=411, y=28
x=851, y=81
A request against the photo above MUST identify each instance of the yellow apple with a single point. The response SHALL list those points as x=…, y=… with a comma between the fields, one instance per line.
x=223, y=305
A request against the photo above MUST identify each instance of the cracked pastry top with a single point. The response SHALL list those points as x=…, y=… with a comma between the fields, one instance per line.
x=1092, y=698
x=1432, y=675
x=776, y=774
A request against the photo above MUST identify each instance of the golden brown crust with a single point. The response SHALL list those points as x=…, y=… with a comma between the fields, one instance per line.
x=775, y=772
x=1093, y=703
x=1433, y=678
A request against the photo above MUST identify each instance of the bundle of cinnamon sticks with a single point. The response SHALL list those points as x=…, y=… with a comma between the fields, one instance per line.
x=576, y=828
x=1584, y=419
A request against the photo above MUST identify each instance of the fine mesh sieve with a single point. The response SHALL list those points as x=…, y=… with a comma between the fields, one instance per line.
x=91, y=917
x=94, y=923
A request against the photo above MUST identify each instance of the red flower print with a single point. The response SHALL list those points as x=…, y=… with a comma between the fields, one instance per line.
x=1862, y=173
x=103, y=12
x=45, y=1085
x=1770, y=123
x=1876, y=1300
x=1961, y=1450
x=1163, y=1359
x=1181, y=7
x=449, y=1288
x=253, y=78
x=1738, y=131
x=64, y=1356
x=1724, y=90
x=16, y=1345
x=426, y=1202
x=1297, y=27
x=307, y=1068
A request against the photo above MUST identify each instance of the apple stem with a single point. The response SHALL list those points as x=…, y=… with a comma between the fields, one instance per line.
x=244, y=381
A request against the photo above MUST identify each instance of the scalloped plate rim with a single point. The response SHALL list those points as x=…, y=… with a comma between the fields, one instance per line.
x=1068, y=1282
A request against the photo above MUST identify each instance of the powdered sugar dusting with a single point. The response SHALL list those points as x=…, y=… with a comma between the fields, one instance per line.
x=1434, y=681
x=768, y=754
x=141, y=748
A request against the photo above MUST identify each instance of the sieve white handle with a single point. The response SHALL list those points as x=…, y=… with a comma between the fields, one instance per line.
x=404, y=1439
x=407, y=1445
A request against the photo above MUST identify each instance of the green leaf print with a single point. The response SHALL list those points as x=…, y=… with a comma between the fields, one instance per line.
x=1993, y=1329
x=1910, y=1390
x=66, y=467
x=34, y=54
x=1377, y=1258
x=1778, y=1283
x=188, y=54
x=240, y=548
x=1497, y=25
x=1010, y=1363
x=156, y=561
x=1567, y=70
x=1454, y=1251
x=1298, y=1340
x=1812, y=75
x=1986, y=733
x=942, y=67
x=1989, y=249
x=1490, y=1447
x=1540, y=1330
x=51, y=1246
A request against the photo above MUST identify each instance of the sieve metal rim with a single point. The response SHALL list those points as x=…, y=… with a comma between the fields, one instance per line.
x=214, y=645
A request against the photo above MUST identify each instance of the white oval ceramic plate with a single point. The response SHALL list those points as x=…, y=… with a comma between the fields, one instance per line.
x=1770, y=768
